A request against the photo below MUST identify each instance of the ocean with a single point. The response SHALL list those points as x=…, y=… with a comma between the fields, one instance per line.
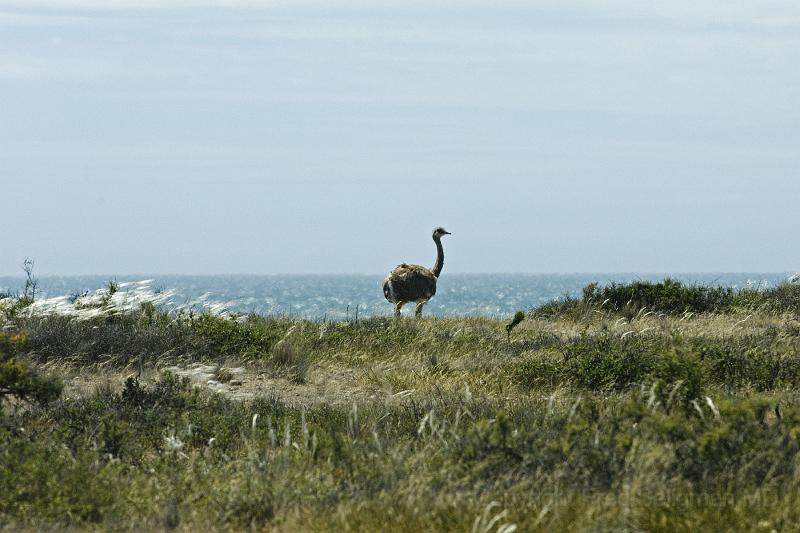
x=336, y=296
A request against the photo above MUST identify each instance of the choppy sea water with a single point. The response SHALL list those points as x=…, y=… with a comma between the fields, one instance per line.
x=338, y=296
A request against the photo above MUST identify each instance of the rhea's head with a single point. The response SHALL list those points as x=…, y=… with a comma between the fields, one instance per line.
x=438, y=232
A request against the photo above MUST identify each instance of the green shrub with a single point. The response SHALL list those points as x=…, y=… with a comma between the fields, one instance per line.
x=785, y=298
x=764, y=362
x=669, y=296
x=149, y=335
x=566, y=306
x=42, y=483
x=740, y=446
x=608, y=363
x=211, y=334
x=18, y=378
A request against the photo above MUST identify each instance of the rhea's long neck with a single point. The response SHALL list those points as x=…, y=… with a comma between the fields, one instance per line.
x=437, y=266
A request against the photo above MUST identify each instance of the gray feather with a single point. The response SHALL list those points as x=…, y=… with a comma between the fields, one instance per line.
x=409, y=283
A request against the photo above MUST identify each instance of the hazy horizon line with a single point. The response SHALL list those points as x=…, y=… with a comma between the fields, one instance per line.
x=505, y=273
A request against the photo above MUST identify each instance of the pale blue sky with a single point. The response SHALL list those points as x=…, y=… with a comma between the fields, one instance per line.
x=178, y=136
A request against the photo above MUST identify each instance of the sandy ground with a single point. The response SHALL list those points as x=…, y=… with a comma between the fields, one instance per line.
x=323, y=385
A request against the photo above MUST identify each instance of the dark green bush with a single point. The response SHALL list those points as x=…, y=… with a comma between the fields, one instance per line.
x=741, y=445
x=567, y=307
x=785, y=298
x=756, y=362
x=18, y=378
x=609, y=363
x=148, y=335
x=215, y=335
x=669, y=296
x=42, y=482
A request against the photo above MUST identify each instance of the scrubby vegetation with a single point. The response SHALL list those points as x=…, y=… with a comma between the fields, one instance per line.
x=634, y=408
x=673, y=298
x=18, y=379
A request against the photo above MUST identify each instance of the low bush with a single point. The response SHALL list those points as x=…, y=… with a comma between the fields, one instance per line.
x=785, y=298
x=765, y=362
x=150, y=335
x=610, y=363
x=20, y=380
x=671, y=297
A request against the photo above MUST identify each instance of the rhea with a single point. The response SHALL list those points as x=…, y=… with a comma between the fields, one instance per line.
x=415, y=283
